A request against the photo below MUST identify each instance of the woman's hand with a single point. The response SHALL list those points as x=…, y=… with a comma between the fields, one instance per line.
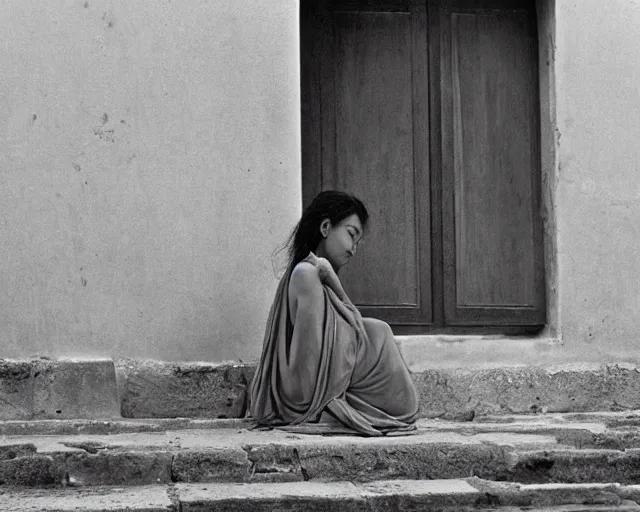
x=328, y=276
x=322, y=264
x=325, y=270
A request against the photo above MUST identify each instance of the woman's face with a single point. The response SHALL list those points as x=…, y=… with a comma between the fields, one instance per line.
x=339, y=243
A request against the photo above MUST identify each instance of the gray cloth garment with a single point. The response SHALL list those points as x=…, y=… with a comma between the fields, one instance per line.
x=341, y=373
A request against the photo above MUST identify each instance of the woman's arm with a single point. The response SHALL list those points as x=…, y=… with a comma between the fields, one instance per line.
x=305, y=288
x=305, y=351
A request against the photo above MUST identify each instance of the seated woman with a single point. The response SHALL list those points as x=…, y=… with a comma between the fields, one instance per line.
x=324, y=368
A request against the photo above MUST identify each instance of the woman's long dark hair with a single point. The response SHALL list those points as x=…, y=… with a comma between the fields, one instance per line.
x=329, y=204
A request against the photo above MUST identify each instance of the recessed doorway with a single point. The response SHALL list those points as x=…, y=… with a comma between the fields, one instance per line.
x=429, y=112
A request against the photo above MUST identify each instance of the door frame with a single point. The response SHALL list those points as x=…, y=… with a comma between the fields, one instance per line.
x=435, y=176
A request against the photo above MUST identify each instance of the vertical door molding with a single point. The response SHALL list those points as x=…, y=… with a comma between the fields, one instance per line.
x=374, y=111
x=492, y=236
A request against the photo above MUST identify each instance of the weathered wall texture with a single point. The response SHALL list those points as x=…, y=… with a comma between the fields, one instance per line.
x=149, y=163
x=598, y=175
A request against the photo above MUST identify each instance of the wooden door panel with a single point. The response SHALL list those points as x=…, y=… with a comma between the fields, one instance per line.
x=374, y=152
x=493, y=160
x=374, y=108
x=310, y=100
x=491, y=221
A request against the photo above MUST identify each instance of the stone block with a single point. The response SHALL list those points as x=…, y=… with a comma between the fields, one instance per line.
x=30, y=471
x=226, y=465
x=275, y=463
x=575, y=466
x=406, y=460
x=547, y=495
x=125, y=468
x=279, y=497
x=16, y=389
x=152, y=498
x=419, y=495
x=624, y=506
x=153, y=389
x=75, y=388
x=462, y=393
x=630, y=492
x=12, y=451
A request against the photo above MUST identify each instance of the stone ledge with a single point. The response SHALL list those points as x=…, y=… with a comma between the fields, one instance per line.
x=526, y=452
x=160, y=389
x=63, y=388
x=153, y=498
x=156, y=389
x=104, y=389
x=114, y=426
x=459, y=495
x=528, y=389
x=16, y=389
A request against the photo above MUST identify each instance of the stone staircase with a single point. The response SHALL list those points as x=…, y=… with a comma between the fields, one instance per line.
x=460, y=460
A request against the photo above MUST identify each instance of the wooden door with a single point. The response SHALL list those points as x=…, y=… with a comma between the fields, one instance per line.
x=492, y=229
x=365, y=131
x=428, y=111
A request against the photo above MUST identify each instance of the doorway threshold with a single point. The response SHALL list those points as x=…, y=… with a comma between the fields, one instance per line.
x=481, y=350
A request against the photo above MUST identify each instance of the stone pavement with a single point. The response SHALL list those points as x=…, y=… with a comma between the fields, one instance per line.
x=569, y=462
x=395, y=495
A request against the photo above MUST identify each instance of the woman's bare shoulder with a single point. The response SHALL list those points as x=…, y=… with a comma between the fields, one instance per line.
x=304, y=276
x=304, y=287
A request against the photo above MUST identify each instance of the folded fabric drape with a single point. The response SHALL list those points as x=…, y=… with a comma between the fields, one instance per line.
x=329, y=370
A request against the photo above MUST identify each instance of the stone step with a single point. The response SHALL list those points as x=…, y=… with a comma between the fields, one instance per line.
x=457, y=495
x=169, y=389
x=186, y=450
x=586, y=430
x=43, y=388
x=573, y=433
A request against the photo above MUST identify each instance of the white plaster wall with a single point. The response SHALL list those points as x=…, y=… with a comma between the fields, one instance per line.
x=598, y=176
x=149, y=161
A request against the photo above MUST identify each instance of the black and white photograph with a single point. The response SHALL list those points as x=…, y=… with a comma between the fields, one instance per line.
x=319, y=255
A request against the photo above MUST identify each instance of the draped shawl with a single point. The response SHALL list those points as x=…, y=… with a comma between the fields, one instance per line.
x=348, y=366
